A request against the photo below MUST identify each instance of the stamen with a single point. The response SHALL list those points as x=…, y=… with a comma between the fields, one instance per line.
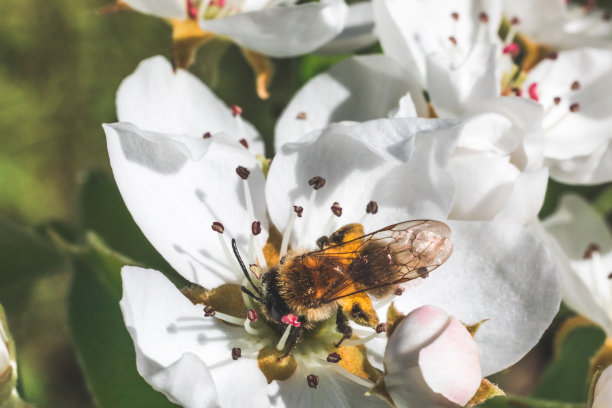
x=575, y=86
x=557, y=100
x=297, y=212
x=192, y=10
x=515, y=21
x=455, y=16
x=334, y=358
x=236, y=353
x=574, y=107
x=610, y=275
x=244, y=142
x=291, y=319
x=252, y=315
x=372, y=207
x=236, y=110
x=206, y=135
x=381, y=328
x=533, y=92
x=243, y=172
x=218, y=227
x=301, y=116
x=511, y=49
x=229, y=319
x=517, y=91
x=590, y=250
x=281, y=343
x=453, y=40
x=209, y=311
x=313, y=381
x=336, y=209
x=363, y=340
x=483, y=17
x=316, y=182
x=399, y=291
x=256, y=228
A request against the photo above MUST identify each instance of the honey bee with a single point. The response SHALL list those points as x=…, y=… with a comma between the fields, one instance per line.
x=347, y=267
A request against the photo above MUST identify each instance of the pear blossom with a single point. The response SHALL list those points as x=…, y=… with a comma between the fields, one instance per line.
x=575, y=89
x=278, y=28
x=498, y=159
x=559, y=24
x=602, y=395
x=582, y=247
x=176, y=198
x=431, y=360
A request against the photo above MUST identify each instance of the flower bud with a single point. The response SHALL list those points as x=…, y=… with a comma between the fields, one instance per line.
x=431, y=360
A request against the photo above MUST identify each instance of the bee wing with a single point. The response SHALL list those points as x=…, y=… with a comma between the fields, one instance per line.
x=392, y=255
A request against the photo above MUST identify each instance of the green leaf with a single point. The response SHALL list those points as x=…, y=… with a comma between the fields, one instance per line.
x=565, y=379
x=25, y=255
x=103, y=344
x=102, y=210
x=522, y=402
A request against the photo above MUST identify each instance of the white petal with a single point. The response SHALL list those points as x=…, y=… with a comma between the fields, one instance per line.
x=508, y=125
x=602, y=397
x=540, y=19
x=532, y=184
x=160, y=8
x=358, y=89
x=175, y=197
x=334, y=389
x=431, y=360
x=498, y=272
x=357, y=172
x=594, y=168
x=283, y=31
x=483, y=185
x=453, y=89
x=157, y=98
x=358, y=31
x=182, y=353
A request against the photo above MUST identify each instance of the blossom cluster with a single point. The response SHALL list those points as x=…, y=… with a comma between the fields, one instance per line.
x=470, y=109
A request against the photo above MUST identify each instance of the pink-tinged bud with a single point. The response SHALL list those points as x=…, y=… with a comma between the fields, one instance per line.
x=431, y=360
x=533, y=91
x=512, y=49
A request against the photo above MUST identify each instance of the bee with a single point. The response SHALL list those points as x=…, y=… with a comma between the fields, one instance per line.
x=347, y=268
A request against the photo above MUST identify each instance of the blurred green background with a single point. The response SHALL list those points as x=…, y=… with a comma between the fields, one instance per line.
x=61, y=63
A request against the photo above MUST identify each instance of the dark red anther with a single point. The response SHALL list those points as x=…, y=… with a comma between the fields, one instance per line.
x=209, y=311
x=256, y=227
x=218, y=227
x=316, y=182
x=243, y=172
x=312, y=380
x=336, y=209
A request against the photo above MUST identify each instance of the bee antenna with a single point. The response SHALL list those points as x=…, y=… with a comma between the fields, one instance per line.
x=244, y=269
x=248, y=292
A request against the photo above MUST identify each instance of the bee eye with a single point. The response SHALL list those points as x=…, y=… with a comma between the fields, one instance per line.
x=283, y=260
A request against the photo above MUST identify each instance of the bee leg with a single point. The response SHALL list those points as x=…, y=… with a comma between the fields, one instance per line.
x=342, y=325
x=295, y=336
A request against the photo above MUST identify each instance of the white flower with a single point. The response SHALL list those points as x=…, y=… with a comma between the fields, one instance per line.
x=582, y=247
x=560, y=24
x=5, y=357
x=176, y=189
x=431, y=360
x=499, y=155
x=602, y=396
x=575, y=88
x=276, y=28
